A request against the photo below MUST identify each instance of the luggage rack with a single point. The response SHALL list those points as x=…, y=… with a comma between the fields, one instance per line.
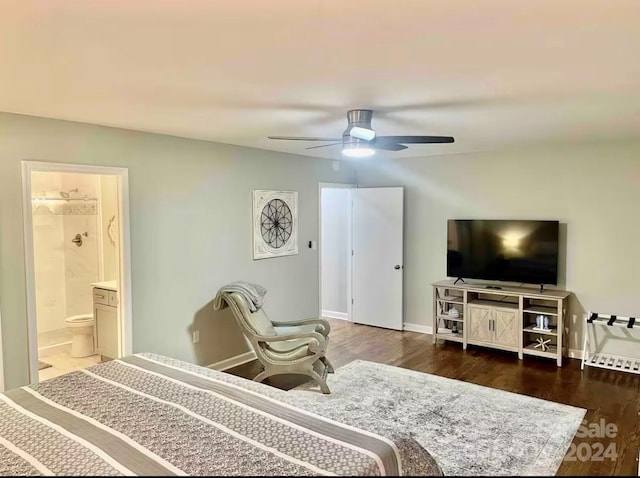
x=604, y=360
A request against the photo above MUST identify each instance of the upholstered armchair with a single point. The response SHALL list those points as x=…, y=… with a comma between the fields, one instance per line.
x=296, y=350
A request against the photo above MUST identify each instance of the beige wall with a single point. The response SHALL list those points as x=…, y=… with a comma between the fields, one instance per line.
x=593, y=190
x=190, y=232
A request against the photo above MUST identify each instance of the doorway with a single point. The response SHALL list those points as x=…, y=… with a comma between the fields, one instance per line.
x=77, y=256
x=335, y=251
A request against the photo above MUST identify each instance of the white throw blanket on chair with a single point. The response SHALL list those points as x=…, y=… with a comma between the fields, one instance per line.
x=253, y=294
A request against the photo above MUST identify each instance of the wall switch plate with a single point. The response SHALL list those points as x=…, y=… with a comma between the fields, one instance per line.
x=196, y=336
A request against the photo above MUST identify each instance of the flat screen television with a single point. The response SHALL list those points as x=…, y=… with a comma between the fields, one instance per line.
x=501, y=250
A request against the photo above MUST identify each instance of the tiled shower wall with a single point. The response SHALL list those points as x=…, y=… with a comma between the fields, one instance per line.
x=63, y=270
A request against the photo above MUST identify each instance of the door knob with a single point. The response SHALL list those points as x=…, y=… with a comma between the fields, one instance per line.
x=77, y=240
x=397, y=267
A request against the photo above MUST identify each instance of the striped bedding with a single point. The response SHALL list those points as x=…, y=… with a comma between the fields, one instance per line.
x=150, y=415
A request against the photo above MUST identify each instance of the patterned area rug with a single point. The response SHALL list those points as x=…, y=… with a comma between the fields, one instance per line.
x=42, y=365
x=469, y=429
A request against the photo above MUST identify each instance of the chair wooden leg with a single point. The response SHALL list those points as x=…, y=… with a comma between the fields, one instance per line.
x=262, y=375
x=320, y=381
x=327, y=364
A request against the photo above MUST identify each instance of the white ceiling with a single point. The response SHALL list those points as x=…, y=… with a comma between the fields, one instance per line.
x=491, y=73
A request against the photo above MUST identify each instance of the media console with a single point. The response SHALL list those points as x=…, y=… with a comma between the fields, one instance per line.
x=502, y=318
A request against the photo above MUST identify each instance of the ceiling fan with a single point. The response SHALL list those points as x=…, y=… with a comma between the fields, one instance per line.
x=359, y=140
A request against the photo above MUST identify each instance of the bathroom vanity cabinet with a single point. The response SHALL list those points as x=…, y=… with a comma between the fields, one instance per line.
x=106, y=324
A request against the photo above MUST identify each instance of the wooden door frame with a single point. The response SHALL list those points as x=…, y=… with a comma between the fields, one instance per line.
x=124, y=279
x=322, y=186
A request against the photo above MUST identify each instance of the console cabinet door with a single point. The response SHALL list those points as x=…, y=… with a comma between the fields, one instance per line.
x=479, y=320
x=505, y=327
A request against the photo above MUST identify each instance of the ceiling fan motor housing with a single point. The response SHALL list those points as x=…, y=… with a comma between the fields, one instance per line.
x=359, y=118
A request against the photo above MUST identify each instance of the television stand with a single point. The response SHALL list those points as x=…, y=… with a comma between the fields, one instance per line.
x=501, y=317
x=459, y=279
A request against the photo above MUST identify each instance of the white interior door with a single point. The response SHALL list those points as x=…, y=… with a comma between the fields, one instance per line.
x=378, y=256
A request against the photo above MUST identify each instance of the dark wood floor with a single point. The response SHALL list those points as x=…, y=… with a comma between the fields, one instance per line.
x=608, y=395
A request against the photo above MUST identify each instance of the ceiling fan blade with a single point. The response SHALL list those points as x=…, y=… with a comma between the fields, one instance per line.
x=390, y=146
x=323, y=145
x=303, y=138
x=414, y=139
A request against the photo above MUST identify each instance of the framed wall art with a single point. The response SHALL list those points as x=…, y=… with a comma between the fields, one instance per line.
x=275, y=223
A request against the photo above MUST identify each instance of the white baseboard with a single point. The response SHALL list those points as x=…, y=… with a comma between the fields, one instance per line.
x=422, y=329
x=335, y=315
x=233, y=361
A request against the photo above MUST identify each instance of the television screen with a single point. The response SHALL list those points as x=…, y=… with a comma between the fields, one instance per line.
x=513, y=251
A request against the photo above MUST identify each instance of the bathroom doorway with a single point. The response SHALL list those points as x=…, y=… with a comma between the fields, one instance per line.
x=77, y=258
x=335, y=250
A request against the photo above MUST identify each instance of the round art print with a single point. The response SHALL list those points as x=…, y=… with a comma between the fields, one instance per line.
x=276, y=223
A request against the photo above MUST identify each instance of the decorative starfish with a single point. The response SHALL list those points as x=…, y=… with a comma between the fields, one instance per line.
x=542, y=343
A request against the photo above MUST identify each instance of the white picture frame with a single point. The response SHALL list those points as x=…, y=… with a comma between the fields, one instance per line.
x=275, y=223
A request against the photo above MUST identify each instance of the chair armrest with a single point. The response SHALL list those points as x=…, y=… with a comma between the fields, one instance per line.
x=310, y=344
x=314, y=320
x=311, y=336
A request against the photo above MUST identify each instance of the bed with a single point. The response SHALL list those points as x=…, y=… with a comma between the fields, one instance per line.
x=151, y=415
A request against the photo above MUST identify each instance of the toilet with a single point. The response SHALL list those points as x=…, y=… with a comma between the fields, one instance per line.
x=81, y=327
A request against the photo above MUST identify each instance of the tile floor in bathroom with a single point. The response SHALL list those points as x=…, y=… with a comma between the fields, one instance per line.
x=54, y=348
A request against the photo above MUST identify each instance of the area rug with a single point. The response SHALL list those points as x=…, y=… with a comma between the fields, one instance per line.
x=42, y=365
x=469, y=429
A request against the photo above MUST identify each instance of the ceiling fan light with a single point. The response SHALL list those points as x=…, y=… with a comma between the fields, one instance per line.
x=357, y=151
x=365, y=134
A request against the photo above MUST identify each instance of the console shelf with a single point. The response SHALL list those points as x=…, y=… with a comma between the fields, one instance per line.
x=452, y=298
x=541, y=309
x=449, y=335
x=531, y=349
x=501, y=317
x=453, y=319
x=530, y=329
x=494, y=303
